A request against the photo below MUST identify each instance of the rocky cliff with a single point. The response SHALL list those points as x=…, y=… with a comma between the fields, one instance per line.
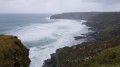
x=75, y=15
x=104, y=51
x=12, y=52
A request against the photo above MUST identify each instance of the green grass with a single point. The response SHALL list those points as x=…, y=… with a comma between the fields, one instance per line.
x=75, y=55
x=12, y=52
x=110, y=33
x=116, y=65
x=108, y=58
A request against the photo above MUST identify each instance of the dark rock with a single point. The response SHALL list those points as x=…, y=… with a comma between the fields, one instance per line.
x=50, y=62
x=79, y=37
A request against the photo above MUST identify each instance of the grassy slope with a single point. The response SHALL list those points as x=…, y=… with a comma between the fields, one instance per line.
x=77, y=55
x=104, y=53
x=108, y=58
x=104, y=20
x=12, y=52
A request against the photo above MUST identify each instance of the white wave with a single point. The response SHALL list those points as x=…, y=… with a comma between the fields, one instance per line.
x=36, y=32
x=62, y=31
x=47, y=18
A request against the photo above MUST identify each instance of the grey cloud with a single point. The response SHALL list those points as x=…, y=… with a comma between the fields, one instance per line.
x=106, y=2
x=57, y=6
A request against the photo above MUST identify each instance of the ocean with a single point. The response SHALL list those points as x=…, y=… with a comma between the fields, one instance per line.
x=41, y=34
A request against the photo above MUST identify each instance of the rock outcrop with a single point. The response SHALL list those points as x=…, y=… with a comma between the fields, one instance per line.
x=12, y=52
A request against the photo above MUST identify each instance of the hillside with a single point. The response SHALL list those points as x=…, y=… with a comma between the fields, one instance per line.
x=75, y=15
x=12, y=52
x=103, y=52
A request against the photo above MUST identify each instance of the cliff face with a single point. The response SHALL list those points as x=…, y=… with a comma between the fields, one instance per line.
x=12, y=52
x=99, y=20
x=104, y=20
x=76, y=15
x=103, y=52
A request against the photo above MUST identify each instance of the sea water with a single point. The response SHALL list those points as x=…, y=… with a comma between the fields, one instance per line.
x=41, y=34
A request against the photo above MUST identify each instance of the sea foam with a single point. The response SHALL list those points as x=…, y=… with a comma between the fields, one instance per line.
x=44, y=39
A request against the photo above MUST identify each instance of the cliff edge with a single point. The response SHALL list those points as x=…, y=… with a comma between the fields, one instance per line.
x=12, y=52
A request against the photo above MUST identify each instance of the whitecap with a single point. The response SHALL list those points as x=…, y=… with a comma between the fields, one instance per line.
x=44, y=39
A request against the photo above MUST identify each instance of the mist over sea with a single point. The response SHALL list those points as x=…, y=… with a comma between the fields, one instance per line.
x=41, y=34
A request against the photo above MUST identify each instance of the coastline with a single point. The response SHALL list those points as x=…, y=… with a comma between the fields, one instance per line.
x=66, y=29
x=98, y=43
x=103, y=43
x=88, y=37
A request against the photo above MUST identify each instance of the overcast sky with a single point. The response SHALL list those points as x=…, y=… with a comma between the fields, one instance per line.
x=57, y=6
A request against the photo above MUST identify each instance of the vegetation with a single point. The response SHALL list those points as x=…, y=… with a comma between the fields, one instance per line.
x=108, y=58
x=104, y=52
x=78, y=56
x=12, y=52
x=109, y=33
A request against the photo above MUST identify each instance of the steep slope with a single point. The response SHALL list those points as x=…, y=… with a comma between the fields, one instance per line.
x=75, y=15
x=104, y=20
x=12, y=52
x=108, y=58
x=103, y=52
